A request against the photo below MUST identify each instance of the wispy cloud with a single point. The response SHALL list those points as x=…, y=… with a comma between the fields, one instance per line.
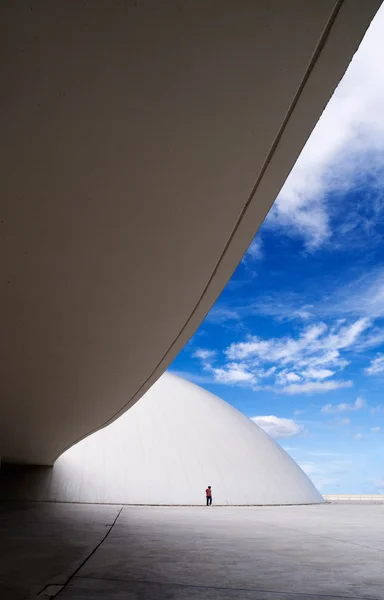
x=317, y=387
x=375, y=429
x=303, y=364
x=277, y=427
x=358, y=436
x=319, y=475
x=317, y=345
x=220, y=315
x=287, y=307
x=318, y=373
x=254, y=251
x=331, y=409
x=361, y=297
x=281, y=308
x=326, y=469
x=204, y=354
x=376, y=366
x=233, y=373
x=322, y=453
x=344, y=148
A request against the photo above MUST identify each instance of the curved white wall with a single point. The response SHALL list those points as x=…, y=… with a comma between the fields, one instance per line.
x=175, y=441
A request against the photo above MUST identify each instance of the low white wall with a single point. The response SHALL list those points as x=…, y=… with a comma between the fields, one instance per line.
x=371, y=498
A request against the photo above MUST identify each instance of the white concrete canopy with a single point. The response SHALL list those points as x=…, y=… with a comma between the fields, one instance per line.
x=142, y=146
x=177, y=440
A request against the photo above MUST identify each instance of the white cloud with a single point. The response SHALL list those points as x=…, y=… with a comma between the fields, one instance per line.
x=320, y=475
x=358, y=299
x=360, y=403
x=375, y=429
x=315, y=342
x=345, y=146
x=319, y=387
x=302, y=363
x=234, y=373
x=285, y=377
x=323, y=454
x=362, y=297
x=376, y=366
x=308, y=467
x=318, y=373
x=358, y=436
x=344, y=406
x=328, y=470
x=221, y=314
x=308, y=362
x=231, y=373
x=275, y=349
x=277, y=427
x=288, y=309
x=204, y=354
x=254, y=251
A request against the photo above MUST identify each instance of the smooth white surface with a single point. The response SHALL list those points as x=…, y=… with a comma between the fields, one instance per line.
x=169, y=447
x=143, y=143
x=370, y=498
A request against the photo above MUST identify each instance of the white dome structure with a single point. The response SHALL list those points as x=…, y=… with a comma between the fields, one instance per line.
x=168, y=447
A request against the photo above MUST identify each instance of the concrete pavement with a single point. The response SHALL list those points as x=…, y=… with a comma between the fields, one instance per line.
x=289, y=553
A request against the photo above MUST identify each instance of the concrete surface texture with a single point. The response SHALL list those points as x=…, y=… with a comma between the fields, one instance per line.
x=143, y=143
x=320, y=552
x=166, y=449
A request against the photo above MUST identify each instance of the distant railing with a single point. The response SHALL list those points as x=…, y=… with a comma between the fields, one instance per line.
x=371, y=498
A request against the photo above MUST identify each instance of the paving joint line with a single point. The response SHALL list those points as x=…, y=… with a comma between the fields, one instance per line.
x=69, y=579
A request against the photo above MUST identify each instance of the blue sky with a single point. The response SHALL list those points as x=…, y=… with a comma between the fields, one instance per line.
x=296, y=340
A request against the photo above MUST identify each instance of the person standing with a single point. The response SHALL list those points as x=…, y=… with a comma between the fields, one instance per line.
x=208, y=495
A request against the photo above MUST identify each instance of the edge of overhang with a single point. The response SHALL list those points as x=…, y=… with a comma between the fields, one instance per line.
x=348, y=20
